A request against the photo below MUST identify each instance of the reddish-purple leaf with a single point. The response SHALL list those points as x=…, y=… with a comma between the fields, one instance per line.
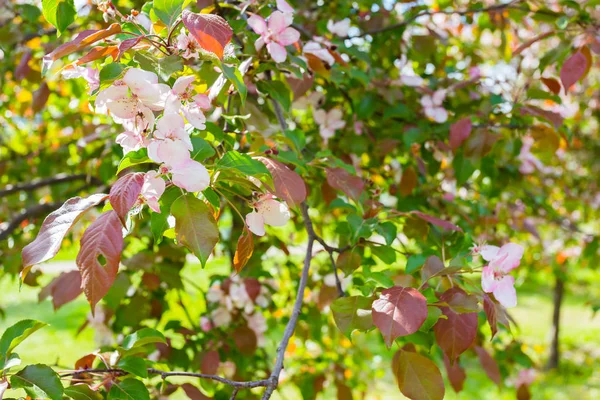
x=340, y=179
x=433, y=265
x=244, y=250
x=252, y=286
x=40, y=97
x=408, y=182
x=125, y=192
x=99, y=256
x=456, y=374
x=494, y=313
x=212, y=32
x=300, y=86
x=418, y=377
x=398, y=312
x=437, y=221
x=489, y=365
x=63, y=289
x=456, y=333
x=193, y=393
x=289, y=186
x=552, y=84
x=349, y=261
x=82, y=40
x=127, y=44
x=573, y=69
x=54, y=228
x=210, y=362
x=23, y=68
x=459, y=132
x=245, y=339
x=550, y=116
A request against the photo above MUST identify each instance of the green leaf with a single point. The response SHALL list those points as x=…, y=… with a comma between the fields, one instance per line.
x=39, y=381
x=128, y=389
x=134, y=158
x=388, y=230
x=414, y=262
x=235, y=77
x=134, y=365
x=243, y=163
x=278, y=92
x=111, y=72
x=352, y=313
x=82, y=392
x=163, y=67
x=158, y=221
x=60, y=13
x=202, y=149
x=14, y=335
x=169, y=10
x=385, y=253
x=195, y=226
x=143, y=337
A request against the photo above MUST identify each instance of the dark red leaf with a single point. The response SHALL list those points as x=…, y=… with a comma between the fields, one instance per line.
x=550, y=116
x=523, y=393
x=99, y=52
x=210, y=362
x=456, y=333
x=54, y=228
x=23, y=68
x=82, y=40
x=85, y=362
x=212, y=32
x=289, y=186
x=252, y=286
x=398, y=312
x=433, y=265
x=300, y=86
x=244, y=250
x=340, y=179
x=63, y=289
x=193, y=393
x=408, y=182
x=552, y=84
x=127, y=44
x=418, y=377
x=489, y=365
x=245, y=339
x=459, y=132
x=40, y=97
x=125, y=192
x=102, y=238
x=437, y=221
x=573, y=69
x=495, y=314
x=456, y=374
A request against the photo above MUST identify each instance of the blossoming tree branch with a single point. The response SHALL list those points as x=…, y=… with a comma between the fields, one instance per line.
x=273, y=189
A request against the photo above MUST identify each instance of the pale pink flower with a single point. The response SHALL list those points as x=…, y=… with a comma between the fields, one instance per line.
x=131, y=141
x=171, y=144
x=526, y=377
x=188, y=45
x=339, y=28
x=221, y=317
x=529, y=162
x=317, y=50
x=329, y=122
x=410, y=80
x=181, y=99
x=276, y=33
x=267, y=211
x=152, y=189
x=433, y=108
x=205, y=324
x=190, y=175
x=91, y=75
x=137, y=91
x=358, y=127
x=215, y=294
x=284, y=7
x=258, y=324
x=494, y=277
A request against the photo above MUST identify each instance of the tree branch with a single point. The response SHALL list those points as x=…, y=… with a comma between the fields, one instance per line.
x=38, y=183
x=33, y=212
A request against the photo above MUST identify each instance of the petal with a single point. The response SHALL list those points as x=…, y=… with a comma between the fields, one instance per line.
x=111, y=93
x=153, y=187
x=320, y=116
x=137, y=78
x=505, y=292
x=277, y=52
x=283, y=6
x=191, y=176
x=258, y=24
x=438, y=97
x=426, y=102
x=274, y=212
x=170, y=126
x=172, y=104
x=182, y=83
x=256, y=223
x=123, y=108
x=260, y=42
x=171, y=152
x=439, y=115
x=129, y=141
x=510, y=255
x=194, y=116
x=288, y=36
x=489, y=252
x=278, y=22
x=153, y=96
x=203, y=101
x=488, y=283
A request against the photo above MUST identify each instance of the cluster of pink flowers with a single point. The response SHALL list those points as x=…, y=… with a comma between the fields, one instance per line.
x=238, y=297
x=132, y=102
x=495, y=276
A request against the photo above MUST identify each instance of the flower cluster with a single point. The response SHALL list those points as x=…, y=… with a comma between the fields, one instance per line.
x=275, y=32
x=267, y=211
x=237, y=297
x=495, y=276
x=132, y=102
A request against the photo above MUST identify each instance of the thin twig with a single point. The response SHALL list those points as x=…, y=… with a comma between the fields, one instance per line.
x=38, y=183
x=33, y=212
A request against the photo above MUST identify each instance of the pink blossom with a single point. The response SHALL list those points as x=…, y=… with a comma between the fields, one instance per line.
x=221, y=317
x=171, y=144
x=181, y=99
x=152, y=189
x=358, y=127
x=526, y=377
x=314, y=48
x=284, y=7
x=258, y=324
x=339, y=28
x=188, y=45
x=432, y=106
x=529, y=162
x=131, y=141
x=329, y=122
x=276, y=33
x=137, y=91
x=205, y=324
x=267, y=211
x=494, y=277
x=190, y=175
x=91, y=75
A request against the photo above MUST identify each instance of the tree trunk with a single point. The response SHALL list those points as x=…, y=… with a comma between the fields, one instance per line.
x=559, y=290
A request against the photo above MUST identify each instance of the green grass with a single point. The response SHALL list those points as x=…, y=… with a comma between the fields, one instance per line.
x=579, y=377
